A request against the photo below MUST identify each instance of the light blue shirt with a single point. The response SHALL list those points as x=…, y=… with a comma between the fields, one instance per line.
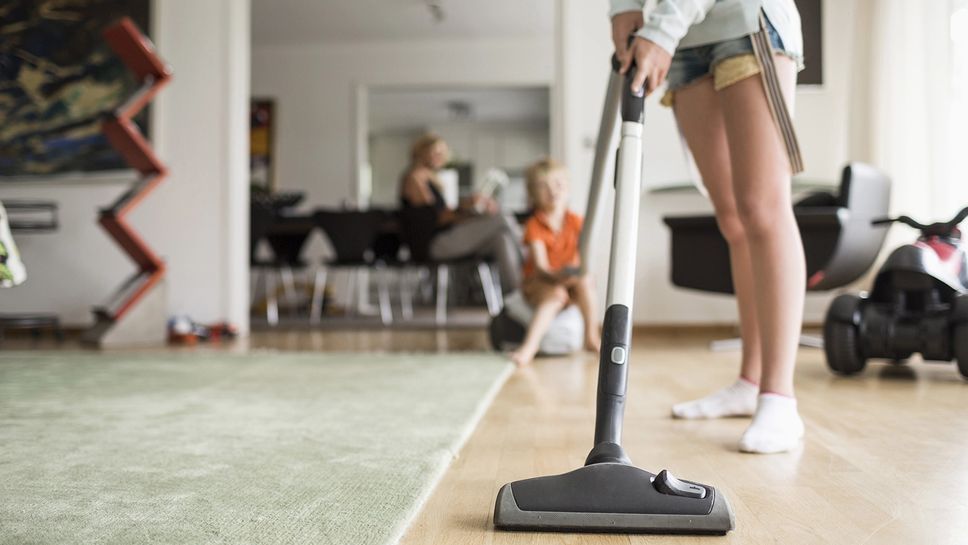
x=690, y=23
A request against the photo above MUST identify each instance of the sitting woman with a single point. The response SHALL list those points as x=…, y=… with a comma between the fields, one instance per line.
x=472, y=229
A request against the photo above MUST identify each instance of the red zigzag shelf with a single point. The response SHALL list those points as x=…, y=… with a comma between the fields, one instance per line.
x=138, y=54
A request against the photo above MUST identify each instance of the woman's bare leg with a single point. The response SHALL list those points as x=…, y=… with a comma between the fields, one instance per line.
x=700, y=119
x=761, y=182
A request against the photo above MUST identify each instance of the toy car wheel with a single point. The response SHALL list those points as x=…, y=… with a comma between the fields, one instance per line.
x=840, y=338
x=961, y=348
x=960, y=341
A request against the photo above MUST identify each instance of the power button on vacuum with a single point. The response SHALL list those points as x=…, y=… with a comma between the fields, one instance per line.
x=618, y=355
x=667, y=484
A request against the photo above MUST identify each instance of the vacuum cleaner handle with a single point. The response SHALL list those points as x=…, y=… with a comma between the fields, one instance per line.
x=615, y=96
x=633, y=103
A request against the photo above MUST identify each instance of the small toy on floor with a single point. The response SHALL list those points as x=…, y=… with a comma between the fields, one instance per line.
x=184, y=331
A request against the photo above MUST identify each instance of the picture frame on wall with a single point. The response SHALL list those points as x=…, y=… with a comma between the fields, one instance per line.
x=811, y=21
x=261, y=144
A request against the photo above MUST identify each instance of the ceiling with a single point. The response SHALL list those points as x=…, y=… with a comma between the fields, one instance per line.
x=397, y=109
x=300, y=22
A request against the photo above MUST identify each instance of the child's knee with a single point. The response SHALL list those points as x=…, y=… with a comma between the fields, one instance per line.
x=581, y=286
x=559, y=295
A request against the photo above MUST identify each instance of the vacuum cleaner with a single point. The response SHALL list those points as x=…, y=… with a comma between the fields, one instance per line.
x=609, y=494
x=918, y=304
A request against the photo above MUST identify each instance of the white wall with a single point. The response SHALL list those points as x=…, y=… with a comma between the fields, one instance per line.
x=389, y=155
x=510, y=146
x=197, y=220
x=501, y=144
x=583, y=48
x=317, y=90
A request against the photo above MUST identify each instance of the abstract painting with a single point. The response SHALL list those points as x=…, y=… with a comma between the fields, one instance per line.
x=57, y=79
x=261, y=120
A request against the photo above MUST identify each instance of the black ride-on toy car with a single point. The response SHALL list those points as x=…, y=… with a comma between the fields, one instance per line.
x=919, y=303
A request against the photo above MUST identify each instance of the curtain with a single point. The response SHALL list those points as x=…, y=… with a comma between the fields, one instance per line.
x=909, y=90
x=912, y=92
x=957, y=157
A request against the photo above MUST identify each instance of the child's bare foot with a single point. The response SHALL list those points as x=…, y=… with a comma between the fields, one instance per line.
x=593, y=344
x=522, y=356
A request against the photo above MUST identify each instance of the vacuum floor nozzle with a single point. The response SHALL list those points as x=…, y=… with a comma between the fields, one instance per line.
x=613, y=497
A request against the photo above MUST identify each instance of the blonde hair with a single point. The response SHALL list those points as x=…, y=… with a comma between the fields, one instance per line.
x=537, y=172
x=422, y=145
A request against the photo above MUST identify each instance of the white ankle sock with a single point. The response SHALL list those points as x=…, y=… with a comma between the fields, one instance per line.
x=739, y=399
x=776, y=426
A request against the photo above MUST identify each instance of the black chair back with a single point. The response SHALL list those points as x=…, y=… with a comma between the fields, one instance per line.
x=287, y=236
x=261, y=216
x=418, y=226
x=353, y=233
x=865, y=195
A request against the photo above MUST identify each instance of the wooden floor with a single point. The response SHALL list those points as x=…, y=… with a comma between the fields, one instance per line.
x=885, y=459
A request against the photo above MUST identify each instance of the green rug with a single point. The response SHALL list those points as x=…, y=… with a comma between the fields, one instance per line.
x=216, y=448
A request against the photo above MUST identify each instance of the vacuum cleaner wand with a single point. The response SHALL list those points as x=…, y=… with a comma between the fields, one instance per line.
x=609, y=494
x=616, y=329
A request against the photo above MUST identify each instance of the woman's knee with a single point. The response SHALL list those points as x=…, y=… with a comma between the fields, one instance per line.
x=505, y=247
x=730, y=225
x=727, y=218
x=511, y=225
x=582, y=288
x=499, y=224
x=485, y=229
x=760, y=214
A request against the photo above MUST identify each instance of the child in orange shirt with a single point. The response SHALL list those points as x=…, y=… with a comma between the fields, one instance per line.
x=551, y=278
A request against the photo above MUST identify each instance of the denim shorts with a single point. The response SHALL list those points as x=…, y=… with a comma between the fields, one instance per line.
x=727, y=62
